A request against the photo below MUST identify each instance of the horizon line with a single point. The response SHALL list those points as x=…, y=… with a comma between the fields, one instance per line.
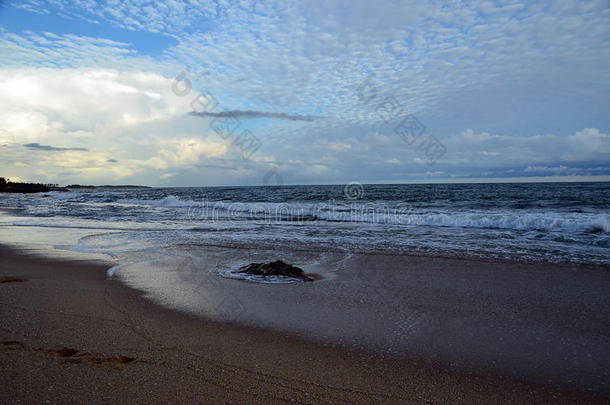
x=491, y=180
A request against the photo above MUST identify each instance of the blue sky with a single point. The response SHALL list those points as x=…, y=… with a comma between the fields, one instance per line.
x=312, y=92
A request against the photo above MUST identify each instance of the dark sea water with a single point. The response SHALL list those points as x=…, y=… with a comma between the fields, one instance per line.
x=552, y=222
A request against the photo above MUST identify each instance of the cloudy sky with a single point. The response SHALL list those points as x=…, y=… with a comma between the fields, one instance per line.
x=203, y=92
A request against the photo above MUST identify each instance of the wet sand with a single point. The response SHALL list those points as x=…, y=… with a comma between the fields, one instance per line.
x=69, y=335
x=545, y=322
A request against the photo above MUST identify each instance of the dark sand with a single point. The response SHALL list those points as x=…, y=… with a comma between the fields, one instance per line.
x=68, y=335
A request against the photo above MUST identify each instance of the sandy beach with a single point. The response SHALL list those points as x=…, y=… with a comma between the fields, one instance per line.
x=69, y=335
x=315, y=202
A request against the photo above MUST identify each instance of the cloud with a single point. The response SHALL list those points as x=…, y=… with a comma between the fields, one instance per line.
x=169, y=16
x=309, y=58
x=188, y=151
x=50, y=148
x=529, y=79
x=254, y=114
x=130, y=124
x=60, y=50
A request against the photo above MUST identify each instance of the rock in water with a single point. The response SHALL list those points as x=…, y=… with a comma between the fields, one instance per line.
x=276, y=268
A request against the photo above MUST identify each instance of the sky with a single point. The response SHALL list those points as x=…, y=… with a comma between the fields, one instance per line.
x=204, y=92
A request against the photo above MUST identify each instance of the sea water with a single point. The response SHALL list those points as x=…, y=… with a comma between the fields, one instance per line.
x=550, y=222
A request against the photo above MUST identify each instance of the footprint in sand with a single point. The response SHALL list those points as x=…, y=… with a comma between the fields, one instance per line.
x=70, y=355
x=6, y=280
x=85, y=358
x=11, y=344
x=66, y=352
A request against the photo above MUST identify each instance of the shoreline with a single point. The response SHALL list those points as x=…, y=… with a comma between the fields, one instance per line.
x=184, y=358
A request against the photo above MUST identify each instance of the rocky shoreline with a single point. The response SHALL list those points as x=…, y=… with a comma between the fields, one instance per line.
x=7, y=186
x=12, y=187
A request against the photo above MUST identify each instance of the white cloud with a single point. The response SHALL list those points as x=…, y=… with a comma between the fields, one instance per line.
x=588, y=145
x=188, y=151
x=129, y=122
x=311, y=59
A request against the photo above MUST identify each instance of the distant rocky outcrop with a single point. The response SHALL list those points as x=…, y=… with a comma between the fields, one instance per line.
x=11, y=187
x=276, y=268
x=7, y=186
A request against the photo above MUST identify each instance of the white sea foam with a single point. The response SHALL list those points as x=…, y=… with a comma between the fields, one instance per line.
x=62, y=195
x=170, y=201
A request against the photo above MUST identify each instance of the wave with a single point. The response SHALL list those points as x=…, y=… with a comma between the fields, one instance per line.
x=517, y=221
x=384, y=212
x=170, y=201
x=61, y=195
x=93, y=225
x=403, y=215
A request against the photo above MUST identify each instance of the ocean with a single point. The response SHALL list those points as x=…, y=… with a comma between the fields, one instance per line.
x=548, y=222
